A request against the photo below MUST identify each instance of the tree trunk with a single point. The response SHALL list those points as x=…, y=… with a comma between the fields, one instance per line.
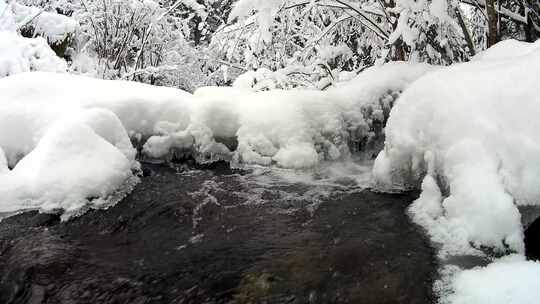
x=466, y=32
x=492, y=19
x=530, y=31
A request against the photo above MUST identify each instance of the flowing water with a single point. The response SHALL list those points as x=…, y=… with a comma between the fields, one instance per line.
x=216, y=235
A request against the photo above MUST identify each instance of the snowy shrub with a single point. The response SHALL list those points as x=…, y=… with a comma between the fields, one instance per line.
x=308, y=43
x=58, y=30
x=320, y=39
x=19, y=54
x=119, y=34
x=55, y=28
x=62, y=7
x=130, y=39
x=429, y=32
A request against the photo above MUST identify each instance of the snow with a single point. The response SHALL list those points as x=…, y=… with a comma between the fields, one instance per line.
x=506, y=49
x=66, y=138
x=141, y=108
x=467, y=135
x=300, y=128
x=478, y=142
x=55, y=28
x=18, y=54
x=96, y=169
x=266, y=10
x=7, y=20
x=3, y=162
x=54, y=126
x=510, y=280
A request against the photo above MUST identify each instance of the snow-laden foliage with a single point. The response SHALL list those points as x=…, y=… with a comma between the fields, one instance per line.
x=19, y=54
x=430, y=31
x=311, y=42
x=277, y=44
x=137, y=40
x=33, y=21
x=129, y=39
x=58, y=30
x=307, y=45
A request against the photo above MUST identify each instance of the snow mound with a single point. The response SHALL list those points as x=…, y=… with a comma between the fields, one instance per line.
x=507, y=49
x=511, y=280
x=35, y=99
x=18, y=54
x=70, y=165
x=469, y=134
x=64, y=140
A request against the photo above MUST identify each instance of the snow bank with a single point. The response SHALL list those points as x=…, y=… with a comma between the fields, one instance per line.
x=65, y=140
x=141, y=108
x=506, y=49
x=300, y=128
x=511, y=280
x=469, y=134
x=18, y=54
x=70, y=165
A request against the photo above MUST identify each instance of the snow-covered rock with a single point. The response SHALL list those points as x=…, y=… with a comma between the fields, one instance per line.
x=473, y=129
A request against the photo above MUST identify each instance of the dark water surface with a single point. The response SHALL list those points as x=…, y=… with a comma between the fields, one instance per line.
x=211, y=236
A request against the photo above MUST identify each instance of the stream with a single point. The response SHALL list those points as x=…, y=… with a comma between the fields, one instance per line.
x=217, y=235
